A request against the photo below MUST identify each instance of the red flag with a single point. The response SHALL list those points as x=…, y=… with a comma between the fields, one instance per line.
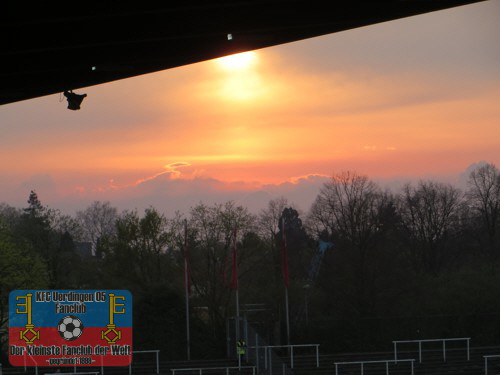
x=284, y=255
x=234, y=278
x=187, y=273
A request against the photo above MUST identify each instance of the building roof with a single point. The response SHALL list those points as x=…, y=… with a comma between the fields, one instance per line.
x=48, y=48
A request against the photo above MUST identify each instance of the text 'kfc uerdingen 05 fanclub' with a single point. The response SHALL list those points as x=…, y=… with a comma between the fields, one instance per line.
x=70, y=328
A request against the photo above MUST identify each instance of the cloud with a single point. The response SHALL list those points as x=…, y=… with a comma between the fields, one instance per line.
x=172, y=168
x=176, y=165
x=169, y=194
x=300, y=191
x=171, y=172
x=309, y=178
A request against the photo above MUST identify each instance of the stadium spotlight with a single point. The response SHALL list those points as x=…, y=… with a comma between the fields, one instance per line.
x=74, y=100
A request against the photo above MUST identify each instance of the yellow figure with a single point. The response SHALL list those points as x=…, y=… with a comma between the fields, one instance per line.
x=29, y=327
x=111, y=327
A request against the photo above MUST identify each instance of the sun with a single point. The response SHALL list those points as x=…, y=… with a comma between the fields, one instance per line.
x=240, y=78
x=239, y=61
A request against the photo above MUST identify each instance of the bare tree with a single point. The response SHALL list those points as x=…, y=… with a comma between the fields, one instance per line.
x=483, y=197
x=348, y=206
x=268, y=226
x=212, y=230
x=429, y=219
x=350, y=211
x=97, y=221
x=268, y=220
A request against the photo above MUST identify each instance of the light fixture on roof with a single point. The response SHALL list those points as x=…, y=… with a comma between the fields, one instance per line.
x=74, y=100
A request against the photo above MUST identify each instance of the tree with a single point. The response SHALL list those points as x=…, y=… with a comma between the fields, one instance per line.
x=49, y=234
x=269, y=228
x=66, y=224
x=141, y=246
x=483, y=198
x=35, y=227
x=354, y=215
x=20, y=268
x=10, y=216
x=35, y=207
x=212, y=229
x=348, y=208
x=295, y=252
x=97, y=221
x=299, y=246
x=268, y=221
x=429, y=219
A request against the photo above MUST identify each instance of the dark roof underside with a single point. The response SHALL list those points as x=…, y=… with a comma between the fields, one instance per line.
x=48, y=49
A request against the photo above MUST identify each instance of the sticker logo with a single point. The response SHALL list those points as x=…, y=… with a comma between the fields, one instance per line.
x=70, y=328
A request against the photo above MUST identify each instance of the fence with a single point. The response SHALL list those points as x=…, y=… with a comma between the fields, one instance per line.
x=130, y=365
x=26, y=365
x=102, y=367
x=467, y=339
x=200, y=370
x=268, y=348
x=362, y=363
x=260, y=357
x=486, y=357
x=145, y=351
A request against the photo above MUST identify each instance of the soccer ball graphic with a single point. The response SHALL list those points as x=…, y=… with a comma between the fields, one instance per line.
x=70, y=327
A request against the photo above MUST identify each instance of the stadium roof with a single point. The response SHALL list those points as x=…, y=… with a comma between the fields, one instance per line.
x=49, y=48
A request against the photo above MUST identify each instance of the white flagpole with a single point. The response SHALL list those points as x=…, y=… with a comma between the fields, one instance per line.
x=235, y=285
x=186, y=285
x=237, y=276
x=286, y=286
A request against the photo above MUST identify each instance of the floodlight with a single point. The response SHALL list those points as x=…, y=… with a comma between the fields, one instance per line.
x=74, y=100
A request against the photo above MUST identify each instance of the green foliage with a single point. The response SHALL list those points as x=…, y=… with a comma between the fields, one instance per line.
x=42, y=229
x=20, y=268
x=138, y=257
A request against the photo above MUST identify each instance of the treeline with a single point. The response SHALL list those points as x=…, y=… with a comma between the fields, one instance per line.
x=366, y=266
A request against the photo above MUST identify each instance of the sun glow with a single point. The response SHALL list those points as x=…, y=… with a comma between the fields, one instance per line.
x=239, y=61
x=240, y=79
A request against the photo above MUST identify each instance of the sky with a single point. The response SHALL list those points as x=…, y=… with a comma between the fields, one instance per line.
x=416, y=98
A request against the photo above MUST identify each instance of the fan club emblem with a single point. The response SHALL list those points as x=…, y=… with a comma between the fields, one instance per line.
x=70, y=328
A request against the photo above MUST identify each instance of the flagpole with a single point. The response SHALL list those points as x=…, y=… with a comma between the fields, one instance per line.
x=286, y=280
x=235, y=286
x=235, y=269
x=287, y=319
x=186, y=287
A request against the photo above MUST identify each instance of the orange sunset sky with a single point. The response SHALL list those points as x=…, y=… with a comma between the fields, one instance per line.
x=402, y=100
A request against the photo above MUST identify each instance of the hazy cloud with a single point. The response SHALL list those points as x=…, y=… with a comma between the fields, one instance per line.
x=178, y=194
